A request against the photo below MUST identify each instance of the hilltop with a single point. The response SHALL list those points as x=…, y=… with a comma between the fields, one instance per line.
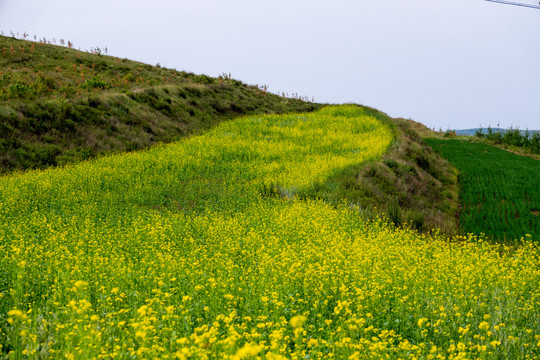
x=59, y=105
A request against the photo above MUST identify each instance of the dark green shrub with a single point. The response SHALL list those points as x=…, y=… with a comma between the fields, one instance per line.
x=513, y=137
x=203, y=79
x=20, y=90
x=416, y=219
x=392, y=164
x=422, y=162
x=5, y=79
x=129, y=78
x=534, y=143
x=95, y=83
x=45, y=82
x=182, y=94
x=449, y=134
x=164, y=107
x=101, y=66
x=94, y=101
x=393, y=212
x=479, y=133
x=494, y=136
x=272, y=190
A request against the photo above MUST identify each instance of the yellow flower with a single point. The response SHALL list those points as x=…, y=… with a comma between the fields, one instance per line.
x=248, y=350
x=298, y=321
x=79, y=284
x=144, y=310
x=312, y=342
x=15, y=312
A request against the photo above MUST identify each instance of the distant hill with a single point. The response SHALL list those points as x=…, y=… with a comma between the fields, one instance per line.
x=472, y=132
x=59, y=105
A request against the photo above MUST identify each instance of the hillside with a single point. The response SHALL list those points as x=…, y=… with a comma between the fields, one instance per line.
x=184, y=251
x=59, y=105
x=409, y=184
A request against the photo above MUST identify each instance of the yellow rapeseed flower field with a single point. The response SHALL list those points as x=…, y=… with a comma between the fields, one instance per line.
x=200, y=250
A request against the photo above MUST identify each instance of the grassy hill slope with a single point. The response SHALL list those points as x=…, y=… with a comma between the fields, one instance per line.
x=59, y=105
x=410, y=184
x=181, y=252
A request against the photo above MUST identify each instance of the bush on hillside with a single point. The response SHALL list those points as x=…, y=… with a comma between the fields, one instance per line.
x=512, y=137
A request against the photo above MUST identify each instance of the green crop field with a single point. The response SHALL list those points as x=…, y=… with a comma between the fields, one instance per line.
x=200, y=249
x=500, y=191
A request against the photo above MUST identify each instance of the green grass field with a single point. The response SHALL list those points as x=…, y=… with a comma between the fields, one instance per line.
x=200, y=249
x=500, y=191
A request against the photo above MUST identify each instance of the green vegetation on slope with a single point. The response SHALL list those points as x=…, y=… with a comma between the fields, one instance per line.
x=179, y=252
x=59, y=105
x=410, y=185
x=499, y=191
x=515, y=138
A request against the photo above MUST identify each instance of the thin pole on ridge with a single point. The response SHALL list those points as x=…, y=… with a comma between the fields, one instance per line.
x=515, y=3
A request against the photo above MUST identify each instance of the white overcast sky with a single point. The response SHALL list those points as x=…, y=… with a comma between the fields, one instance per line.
x=446, y=63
